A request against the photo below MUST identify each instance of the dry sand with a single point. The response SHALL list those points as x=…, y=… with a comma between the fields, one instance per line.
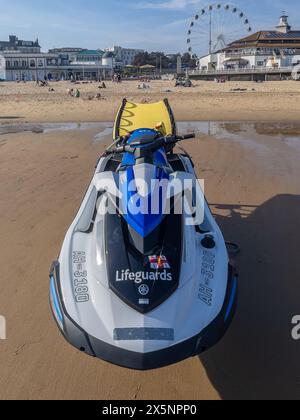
x=254, y=190
x=271, y=101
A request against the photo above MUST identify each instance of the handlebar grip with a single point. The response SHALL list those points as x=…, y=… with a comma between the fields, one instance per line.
x=187, y=136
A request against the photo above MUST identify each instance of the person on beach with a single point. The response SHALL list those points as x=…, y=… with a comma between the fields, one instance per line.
x=77, y=94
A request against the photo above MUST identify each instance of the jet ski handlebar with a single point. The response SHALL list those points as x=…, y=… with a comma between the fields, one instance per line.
x=150, y=146
x=186, y=137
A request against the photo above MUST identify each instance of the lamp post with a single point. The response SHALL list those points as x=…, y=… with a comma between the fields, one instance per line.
x=210, y=32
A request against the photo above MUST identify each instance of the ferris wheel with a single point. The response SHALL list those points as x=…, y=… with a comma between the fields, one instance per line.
x=214, y=27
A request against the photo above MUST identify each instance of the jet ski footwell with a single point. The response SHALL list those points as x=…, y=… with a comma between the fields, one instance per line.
x=94, y=347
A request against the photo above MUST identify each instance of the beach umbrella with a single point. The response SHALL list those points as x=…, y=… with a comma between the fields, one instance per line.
x=147, y=67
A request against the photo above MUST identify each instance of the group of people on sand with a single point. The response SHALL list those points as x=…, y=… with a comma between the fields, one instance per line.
x=42, y=83
x=183, y=82
x=117, y=78
x=143, y=86
x=98, y=97
x=74, y=93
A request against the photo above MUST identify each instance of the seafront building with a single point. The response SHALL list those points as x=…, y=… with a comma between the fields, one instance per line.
x=15, y=44
x=24, y=61
x=34, y=67
x=124, y=56
x=265, y=51
x=60, y=63
x=28, y=66
x=66, y=54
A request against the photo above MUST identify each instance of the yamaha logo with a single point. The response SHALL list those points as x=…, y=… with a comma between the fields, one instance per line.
x=144, y=290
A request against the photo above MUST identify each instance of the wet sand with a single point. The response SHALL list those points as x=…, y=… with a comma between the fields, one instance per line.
x=271, y=101
x=252, y=182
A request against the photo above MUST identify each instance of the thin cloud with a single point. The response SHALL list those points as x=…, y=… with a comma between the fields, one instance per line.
x=167, y=5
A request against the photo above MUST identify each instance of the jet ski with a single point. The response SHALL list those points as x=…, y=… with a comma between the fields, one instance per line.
x=143, y=290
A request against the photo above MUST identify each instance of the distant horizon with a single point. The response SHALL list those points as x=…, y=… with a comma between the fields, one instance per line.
x=153, y=25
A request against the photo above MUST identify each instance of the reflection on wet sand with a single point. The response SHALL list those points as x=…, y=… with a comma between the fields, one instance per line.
x=232, y=129
x=225, y=130
x=45, y=128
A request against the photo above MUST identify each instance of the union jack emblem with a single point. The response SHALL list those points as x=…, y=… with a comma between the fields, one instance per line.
x=159, y=262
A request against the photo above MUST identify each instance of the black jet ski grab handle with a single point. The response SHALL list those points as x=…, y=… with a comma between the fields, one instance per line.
x=151, y=146
x=186, y=137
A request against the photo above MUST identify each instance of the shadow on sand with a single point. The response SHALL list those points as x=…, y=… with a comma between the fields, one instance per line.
x=258, y=358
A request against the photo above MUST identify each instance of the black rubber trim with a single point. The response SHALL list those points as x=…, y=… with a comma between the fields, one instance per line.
x=72, y=332
x=123, y=106
x=208, y=338
x=118, y=120
x=172, y=118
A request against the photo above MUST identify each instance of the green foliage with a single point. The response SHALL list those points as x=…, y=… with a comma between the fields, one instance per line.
x=161, y=60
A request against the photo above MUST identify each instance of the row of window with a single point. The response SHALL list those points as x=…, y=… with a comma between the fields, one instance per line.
x=90, y=58
x=263, y=51
x=24, y=63
x=30, y=50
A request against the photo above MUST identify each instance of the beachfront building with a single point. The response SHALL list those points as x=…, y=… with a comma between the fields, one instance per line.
x=88, y=56
x=29, y=67
x=18, y=45
x=67, y=55
x=108, y=59
x=61, y=64
x=277, y=48
x=83, y=63
x=124, y=56
x=89, y=64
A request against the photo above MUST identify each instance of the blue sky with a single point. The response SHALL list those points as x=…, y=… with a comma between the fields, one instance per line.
x=150, y=24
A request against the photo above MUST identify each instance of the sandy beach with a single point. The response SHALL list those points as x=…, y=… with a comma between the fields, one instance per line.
x=271, y=101
x=252, y=183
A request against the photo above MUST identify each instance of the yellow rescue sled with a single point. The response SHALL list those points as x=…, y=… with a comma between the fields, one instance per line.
x=132, y=116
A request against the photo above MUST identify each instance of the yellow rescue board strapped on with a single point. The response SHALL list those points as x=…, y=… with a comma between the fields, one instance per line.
x=132, y=116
